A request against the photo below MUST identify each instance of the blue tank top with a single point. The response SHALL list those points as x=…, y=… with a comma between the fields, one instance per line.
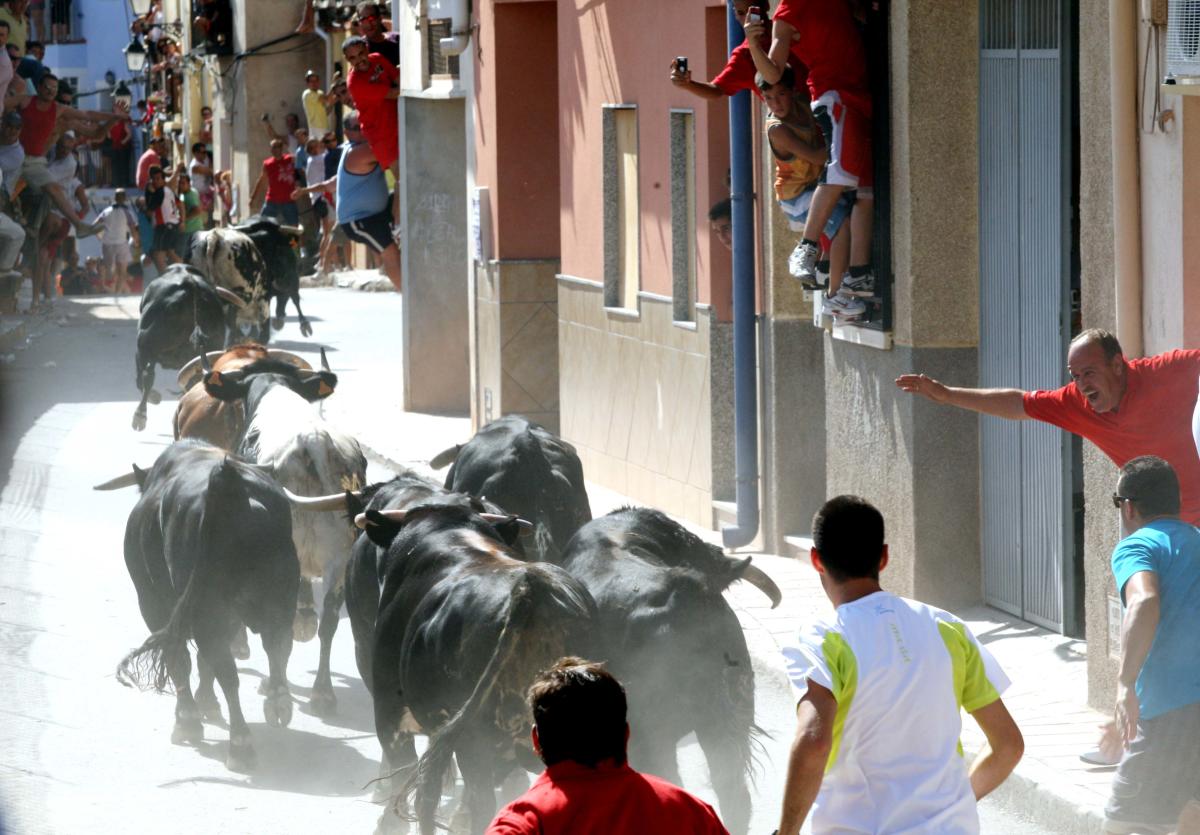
x=359, y=195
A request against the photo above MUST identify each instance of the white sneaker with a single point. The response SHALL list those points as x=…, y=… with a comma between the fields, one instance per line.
x=843, y=306
x=822, y=269
x=863, y=286
x=802, y=263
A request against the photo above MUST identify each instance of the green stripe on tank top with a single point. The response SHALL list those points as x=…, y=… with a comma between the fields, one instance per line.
x=843, y=669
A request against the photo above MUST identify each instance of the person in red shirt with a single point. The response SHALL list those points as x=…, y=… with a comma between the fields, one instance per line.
x=580, y=732
x=374, y=84
x=1127, y=408
x=738, y=72
x=823, y=35
x=279, y=176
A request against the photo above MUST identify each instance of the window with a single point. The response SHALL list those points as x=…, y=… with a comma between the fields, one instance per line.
x=621, y=226
x=440, y=64
x=683, y=214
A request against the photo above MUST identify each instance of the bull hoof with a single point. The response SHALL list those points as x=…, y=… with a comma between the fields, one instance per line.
x=154, y=397
x=210, y=708
x=277, y=708
x=240, y=645
x=187, y=731
x=322, y=702
x=304, y=626
x=241, y=756
x=139, y=420
x=277, y=323
x=305, y=328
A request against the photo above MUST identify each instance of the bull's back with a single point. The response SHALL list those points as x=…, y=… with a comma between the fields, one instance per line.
x=201, y=416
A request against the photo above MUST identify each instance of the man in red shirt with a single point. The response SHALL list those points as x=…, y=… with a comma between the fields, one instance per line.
x=823, y=35
x=1126, y=408
x=580, y=732
x=738, y=72
x=279, y=175
x=374, y=84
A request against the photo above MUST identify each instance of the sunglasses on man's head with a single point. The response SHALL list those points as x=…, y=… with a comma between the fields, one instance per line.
x=365, y=18
x=1118, y=498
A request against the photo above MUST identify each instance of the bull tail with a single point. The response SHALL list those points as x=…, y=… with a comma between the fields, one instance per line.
x=425, y=784
x=445, y=457
x=150, y=665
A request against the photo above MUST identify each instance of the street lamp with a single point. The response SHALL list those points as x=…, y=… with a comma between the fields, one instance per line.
x=122, y=97
x=135, y=56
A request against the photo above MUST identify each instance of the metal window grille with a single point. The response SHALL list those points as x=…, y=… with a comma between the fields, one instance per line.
x=1183, y=38
x=440, y=64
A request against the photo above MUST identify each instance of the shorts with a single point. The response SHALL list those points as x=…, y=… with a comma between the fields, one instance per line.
x=285, y=213
x=848, y=135
x=35, y=171
x=166, y=238
x=1159, y=774
x=116, y=255
x=320, y=209
x=796, y=211
x=374, y=231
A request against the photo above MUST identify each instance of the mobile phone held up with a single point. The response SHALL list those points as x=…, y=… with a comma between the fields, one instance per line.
x=681, y=64
x=754, y=14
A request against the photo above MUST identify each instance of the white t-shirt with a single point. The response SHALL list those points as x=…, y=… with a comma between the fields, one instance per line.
x=314, y=172
x=12, y=157
x=200, y=182
x=62, y=170
x=900, y=672
x=116, y=220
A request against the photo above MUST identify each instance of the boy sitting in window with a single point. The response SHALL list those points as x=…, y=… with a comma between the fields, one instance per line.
x=800, y=154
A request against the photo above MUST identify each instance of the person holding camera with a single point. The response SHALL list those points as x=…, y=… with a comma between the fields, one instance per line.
x=881, y=686
x=738, y=73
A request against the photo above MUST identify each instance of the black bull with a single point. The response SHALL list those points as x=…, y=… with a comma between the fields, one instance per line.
x=674, y=642
x=278, y=246
x=209, y=548
x=527, y=470
x=463, y=628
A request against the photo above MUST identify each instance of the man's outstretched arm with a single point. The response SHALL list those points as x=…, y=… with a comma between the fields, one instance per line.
x=809, y=756
x=1004, y=748
x=1001, y=403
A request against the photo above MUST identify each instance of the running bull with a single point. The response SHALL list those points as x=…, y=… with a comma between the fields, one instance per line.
x=279, y=247
x=463, y=627
x=527, y=470
x=230, y=259
x=209, y=548
x=308, y=456
x=671, y=637
x=181, y=315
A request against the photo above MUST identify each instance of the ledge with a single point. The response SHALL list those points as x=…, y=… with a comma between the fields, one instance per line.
x=867, y=337
x=579, y=282
x=1182, y=88
x=627, y=313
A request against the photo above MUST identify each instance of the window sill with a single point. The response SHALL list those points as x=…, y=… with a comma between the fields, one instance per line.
x=629, y=314
x=867, y=337
x=684, y=324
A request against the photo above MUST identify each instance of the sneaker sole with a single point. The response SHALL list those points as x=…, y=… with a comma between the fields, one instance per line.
x=862, y=294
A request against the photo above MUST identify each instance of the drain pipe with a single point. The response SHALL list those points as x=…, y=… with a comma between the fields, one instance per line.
x=1126, y=185
x=323, y=35
x=745, y=391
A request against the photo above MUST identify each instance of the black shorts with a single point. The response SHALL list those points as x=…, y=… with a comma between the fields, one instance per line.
x=166, y=238
x=374, y=231
x=320, y=208
x=1159, y=774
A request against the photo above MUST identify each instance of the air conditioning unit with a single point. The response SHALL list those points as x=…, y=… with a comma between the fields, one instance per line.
x=1183, y=38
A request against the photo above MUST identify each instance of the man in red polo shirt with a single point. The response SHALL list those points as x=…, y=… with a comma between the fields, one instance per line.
x=738, y=72
x=1128, y=408
x=279, y=176
x=580, y=732
x=374, y=84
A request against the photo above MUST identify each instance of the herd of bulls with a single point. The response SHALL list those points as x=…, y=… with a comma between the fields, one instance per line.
x=457, y=594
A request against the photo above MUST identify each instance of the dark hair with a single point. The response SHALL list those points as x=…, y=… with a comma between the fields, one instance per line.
x=765, y=5
x=579, y=711
x=199, y=146
x=1152, y=485
x=4, y=23
x=134, y=270
x=721, y=210
x=47, y=76
x=848, y=534
x=30, y=45
x=154, y=169
x=357, y=40
x=1105, y=339
x=787, y=78
x=366, y=8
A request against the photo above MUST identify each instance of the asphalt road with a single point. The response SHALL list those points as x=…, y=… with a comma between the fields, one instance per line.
x=80, y=753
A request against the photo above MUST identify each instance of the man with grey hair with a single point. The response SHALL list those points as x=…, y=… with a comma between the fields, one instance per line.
x=1125, y=407
x=1157, y=572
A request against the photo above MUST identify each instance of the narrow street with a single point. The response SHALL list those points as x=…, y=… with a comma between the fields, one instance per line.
x=84, y=754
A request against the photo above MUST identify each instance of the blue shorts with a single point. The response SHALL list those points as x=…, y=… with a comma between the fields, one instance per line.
x=285, y=213
x=796, y=210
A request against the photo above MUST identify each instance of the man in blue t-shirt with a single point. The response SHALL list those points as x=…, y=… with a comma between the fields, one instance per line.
x=1157, y=572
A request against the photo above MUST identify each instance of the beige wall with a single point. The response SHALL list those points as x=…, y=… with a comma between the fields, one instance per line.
x=635, y=399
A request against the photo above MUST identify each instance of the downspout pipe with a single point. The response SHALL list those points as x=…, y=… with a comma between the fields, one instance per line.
x=323, y=35
x=1126, y=180
x=745, y=383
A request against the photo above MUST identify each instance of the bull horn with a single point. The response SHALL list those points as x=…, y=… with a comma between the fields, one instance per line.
x=230, y=297
x=496, y=518
x=334, y=501
x=298, y=231
x=324, y=361
x=129, y=479
x=360, y=521
x=758, y=578
x=445, y=457
x=204, y=363
x=288, y=356
x=191, y=373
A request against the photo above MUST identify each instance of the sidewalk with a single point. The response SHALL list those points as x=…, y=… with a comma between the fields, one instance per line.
x=1049, y=672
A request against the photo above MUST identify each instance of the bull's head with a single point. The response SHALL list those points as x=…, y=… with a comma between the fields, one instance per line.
x=235, y=385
